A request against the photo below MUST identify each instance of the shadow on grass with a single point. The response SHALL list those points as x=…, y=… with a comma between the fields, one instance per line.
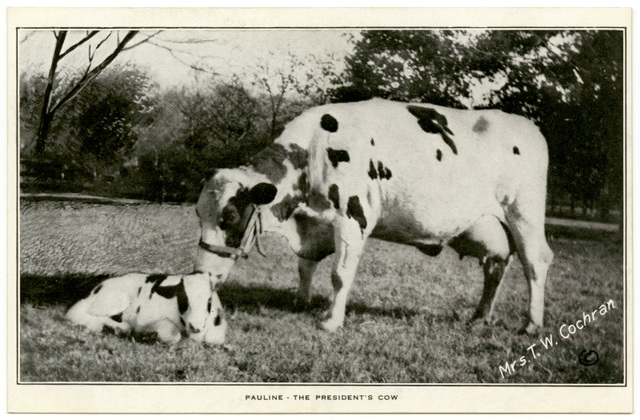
x=250, y=299
x=57, y=290
x=67, y=289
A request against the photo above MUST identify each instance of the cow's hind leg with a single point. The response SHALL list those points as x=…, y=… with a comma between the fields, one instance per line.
x=349, y=243
x=489, y=240
x=536, y=257
x=494, y=269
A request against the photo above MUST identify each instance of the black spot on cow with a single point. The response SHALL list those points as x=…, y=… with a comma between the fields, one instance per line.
x=355, y=211
x=373, y=174
x=298, y=157
x=334, y=195
x=155, y=278
x=232, y=219
x=516, y=151
x=328, y=123
x=383, y=171
x=184, y=324
x=318, y=201
x=284, y=209
x=139, y=290
x=510, y=240
x=336, y=156
x=431, y=121
x=219, y=276
x=217, y=320
x=439, y=155
x=137, y=310
x=230, y=215
x=209, y=305
x=317, y=237
x=481, y=125
x=430, y=249
x=373, y=143
x=270, y=162
x=97, y=289
x=336, y=281
x=169, y=292
x=117, y=317
x=303, y=185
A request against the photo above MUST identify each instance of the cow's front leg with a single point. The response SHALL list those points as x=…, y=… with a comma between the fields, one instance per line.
x=166, y=331
x=349, y=243
x=306, y=268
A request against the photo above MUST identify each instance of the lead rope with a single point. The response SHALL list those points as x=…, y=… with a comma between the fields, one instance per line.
x=258, y=232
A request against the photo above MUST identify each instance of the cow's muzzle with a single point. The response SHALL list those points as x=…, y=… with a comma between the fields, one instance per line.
x=252, y=229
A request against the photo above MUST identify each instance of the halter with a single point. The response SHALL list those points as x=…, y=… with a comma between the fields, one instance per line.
x=252, y=229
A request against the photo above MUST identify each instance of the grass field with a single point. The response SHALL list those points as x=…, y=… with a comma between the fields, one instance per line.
x=405, y=319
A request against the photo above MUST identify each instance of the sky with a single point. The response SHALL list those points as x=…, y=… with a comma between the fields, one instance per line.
x=169, y=55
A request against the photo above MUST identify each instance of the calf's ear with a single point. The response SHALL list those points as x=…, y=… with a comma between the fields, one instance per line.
x=262, y=193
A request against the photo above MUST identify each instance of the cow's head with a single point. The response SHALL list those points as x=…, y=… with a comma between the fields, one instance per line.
x=227, y=209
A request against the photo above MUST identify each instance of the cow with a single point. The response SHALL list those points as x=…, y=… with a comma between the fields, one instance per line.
x=416, y=174
x=169, y=306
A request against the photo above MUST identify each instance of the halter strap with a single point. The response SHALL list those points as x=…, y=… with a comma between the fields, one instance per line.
x=252, y=229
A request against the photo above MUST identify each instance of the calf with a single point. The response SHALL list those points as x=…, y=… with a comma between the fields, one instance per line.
x=170, y=306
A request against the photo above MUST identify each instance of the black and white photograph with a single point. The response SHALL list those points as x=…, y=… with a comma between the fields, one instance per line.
x=322, y=217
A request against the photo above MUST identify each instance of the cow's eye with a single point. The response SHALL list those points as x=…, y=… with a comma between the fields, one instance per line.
x=209, y=305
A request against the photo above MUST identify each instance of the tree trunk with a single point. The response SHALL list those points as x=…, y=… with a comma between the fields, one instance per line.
x=45, y=115
x=43, y=132
x=49, y=110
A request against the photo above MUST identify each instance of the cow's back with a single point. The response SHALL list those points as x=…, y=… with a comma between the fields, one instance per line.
x=420, y=171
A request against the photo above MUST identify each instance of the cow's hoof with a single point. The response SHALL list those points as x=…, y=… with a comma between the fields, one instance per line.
x=330, y=325
x=300, y=304
x=479, y=319
x=531, y=329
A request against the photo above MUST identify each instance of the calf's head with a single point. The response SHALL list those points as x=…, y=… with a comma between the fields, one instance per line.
x=201, y=313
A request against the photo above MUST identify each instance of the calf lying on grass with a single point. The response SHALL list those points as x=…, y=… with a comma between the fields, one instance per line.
x=170, y=306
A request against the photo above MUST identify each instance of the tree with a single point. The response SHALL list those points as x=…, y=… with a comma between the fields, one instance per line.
x=568, y=82
x=572, y=87
x=109, y=111
x=50, y=104
x=277, y=82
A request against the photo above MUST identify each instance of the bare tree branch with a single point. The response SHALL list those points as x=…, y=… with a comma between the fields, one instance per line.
x=26, y=37
x=77, y=44
x=192, y=66
x=190, y=41
x=89, y=76
x=141, y=41
x=103, y=41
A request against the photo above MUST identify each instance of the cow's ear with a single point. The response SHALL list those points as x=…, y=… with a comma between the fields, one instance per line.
x=262, y=193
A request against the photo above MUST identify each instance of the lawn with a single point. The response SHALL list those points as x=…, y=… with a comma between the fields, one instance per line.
x=405, y=318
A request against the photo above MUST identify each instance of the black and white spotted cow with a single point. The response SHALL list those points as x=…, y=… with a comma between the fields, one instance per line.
x=170, y=306
x=415, y=174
